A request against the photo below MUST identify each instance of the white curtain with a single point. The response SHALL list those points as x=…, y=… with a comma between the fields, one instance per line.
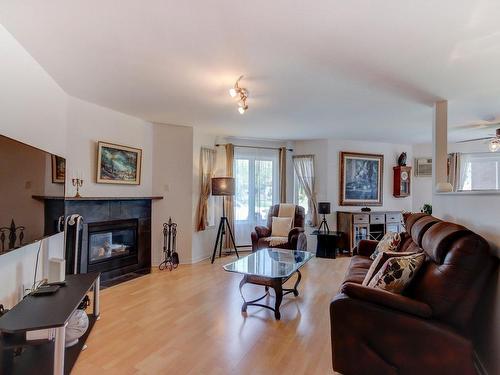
x=207, y=167
x=256, y=173
x=455, y=177
x=304, y=170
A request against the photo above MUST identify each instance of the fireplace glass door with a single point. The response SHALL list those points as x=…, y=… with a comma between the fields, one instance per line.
x=112, y=244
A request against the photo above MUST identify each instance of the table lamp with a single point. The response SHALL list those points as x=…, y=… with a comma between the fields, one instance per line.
x=223, y=187
x=324, y=209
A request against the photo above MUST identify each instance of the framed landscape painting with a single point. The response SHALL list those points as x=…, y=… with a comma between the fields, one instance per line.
x=118, y=164
x=361, y=179
x=58, y=169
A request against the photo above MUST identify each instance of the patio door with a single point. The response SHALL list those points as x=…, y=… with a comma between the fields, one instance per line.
x=257, y=189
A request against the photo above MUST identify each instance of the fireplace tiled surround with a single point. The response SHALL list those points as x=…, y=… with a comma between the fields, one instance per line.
x=116, y=235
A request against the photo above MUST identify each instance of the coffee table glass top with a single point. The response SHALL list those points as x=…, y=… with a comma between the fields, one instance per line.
x=271, y=263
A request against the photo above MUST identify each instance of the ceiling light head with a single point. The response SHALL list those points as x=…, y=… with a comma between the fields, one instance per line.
x=241, y=94
x=494, y=145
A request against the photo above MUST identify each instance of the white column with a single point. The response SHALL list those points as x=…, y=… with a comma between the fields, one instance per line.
x=440, y=143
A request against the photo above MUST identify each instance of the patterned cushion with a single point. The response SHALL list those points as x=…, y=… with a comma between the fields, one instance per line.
x=389, y=242
x=397, y=272
x=379, y=262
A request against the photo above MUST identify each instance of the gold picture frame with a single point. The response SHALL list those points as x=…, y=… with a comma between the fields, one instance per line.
x=58, y=169
x=118, y=164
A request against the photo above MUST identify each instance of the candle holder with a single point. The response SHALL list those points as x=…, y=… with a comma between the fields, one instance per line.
x=78, y=182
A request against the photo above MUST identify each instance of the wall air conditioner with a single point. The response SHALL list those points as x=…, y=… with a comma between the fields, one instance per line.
x=423, y=167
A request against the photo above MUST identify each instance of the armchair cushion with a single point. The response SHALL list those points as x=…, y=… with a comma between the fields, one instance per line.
x=387, y=299
x=281, y=226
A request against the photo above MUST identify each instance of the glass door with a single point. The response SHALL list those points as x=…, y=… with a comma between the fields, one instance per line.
x=257, y=189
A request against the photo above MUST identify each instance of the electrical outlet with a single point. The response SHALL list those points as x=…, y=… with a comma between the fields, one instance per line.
x=166, y=188
x=27, y=185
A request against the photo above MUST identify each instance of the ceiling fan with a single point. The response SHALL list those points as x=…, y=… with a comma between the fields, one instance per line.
x=493, y=140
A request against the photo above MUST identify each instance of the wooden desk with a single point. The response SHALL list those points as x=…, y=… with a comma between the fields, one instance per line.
x=51, y=311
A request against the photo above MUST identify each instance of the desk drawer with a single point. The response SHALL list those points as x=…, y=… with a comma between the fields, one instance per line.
x=393, y=217
x=377, y=218
x=360, y=218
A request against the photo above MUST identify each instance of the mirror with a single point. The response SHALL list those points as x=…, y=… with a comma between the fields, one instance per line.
x=27, y=177
x=474, y=156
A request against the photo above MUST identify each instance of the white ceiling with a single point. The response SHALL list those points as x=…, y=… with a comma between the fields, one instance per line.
x=326, y=68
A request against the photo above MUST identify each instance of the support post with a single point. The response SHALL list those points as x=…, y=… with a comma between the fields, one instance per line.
x=440, y=143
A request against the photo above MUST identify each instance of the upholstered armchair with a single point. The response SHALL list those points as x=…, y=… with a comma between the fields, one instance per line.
x=296, y=237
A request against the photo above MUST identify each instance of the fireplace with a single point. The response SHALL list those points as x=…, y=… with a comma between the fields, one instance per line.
x=112, y=245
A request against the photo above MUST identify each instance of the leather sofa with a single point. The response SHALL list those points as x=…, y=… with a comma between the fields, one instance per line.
x=296, y=238
x=427, y=329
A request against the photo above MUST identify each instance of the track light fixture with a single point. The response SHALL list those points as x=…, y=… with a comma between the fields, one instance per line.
x=241, y=94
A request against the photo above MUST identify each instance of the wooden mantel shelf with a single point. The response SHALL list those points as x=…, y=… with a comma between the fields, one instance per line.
x=47, y=197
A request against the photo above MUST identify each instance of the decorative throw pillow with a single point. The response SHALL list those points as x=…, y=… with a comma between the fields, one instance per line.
x=397, y=272
x=389, y=242
x=379, y=262
x=281, y=226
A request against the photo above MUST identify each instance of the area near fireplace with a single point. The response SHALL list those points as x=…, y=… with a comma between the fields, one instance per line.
x=116, y=235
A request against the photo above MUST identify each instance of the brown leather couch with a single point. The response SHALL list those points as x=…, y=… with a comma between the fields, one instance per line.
x=295, y=239
x=427, y=329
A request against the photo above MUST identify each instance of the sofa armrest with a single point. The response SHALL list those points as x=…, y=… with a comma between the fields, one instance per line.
x=365, y=248
x=262, y=231
x=387, y=299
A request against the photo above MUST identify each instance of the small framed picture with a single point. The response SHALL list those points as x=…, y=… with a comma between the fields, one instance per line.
x=118, y=164
x=361, y=179
x=58, y=169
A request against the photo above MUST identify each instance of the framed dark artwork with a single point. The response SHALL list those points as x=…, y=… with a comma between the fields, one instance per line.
x=118, y=164
x=58, y=169
x=361, y=179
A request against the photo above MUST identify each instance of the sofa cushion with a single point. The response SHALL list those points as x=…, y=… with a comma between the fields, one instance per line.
x=359, y=261
x=390, y=242
x=355, y=274
x=380, y=261
x=397, y=272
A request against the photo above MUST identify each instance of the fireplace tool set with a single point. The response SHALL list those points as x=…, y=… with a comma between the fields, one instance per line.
x=169, y=246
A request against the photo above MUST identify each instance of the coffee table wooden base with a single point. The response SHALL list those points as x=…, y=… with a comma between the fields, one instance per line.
x=276, y=284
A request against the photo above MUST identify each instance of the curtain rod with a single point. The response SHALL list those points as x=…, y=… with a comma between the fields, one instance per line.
x=261, y=147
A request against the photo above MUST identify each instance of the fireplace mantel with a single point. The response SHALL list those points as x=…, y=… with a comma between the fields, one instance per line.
x=48, y=197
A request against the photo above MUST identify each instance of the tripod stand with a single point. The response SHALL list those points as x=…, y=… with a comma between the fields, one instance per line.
x=221, y=232
x=323, y=222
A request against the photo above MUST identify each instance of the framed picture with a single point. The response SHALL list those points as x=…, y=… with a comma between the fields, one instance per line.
x=58, y=169
x=118, y=164
x=361, y=179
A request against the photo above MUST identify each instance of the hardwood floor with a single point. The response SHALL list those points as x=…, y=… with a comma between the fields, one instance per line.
x=189, y=322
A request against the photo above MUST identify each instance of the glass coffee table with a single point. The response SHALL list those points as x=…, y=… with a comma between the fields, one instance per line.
x=270, y=268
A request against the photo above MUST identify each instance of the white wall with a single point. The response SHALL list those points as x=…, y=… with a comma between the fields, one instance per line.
x=327, y=171
x=89, y=123
x=173, y=179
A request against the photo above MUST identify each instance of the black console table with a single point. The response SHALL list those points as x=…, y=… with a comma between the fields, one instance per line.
x=43, y=312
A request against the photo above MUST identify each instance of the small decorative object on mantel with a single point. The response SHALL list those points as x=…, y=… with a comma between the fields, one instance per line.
x=169, y=246
x=118, y=164
x=366, y=209
x=402, y=159
x=78, y=183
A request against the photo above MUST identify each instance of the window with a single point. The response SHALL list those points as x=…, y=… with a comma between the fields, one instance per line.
x=256, y=190
x=479, y=171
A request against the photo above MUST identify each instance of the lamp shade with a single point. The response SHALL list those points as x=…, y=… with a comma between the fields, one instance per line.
x=323, y=208
x=223, y=186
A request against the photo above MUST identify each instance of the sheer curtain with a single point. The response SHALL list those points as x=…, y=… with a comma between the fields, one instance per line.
x=304, y=170
x=207, y=166
x=256, y=173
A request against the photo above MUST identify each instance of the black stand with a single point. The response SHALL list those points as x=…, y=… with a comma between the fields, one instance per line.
x=221, y=232
x=323, y=222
